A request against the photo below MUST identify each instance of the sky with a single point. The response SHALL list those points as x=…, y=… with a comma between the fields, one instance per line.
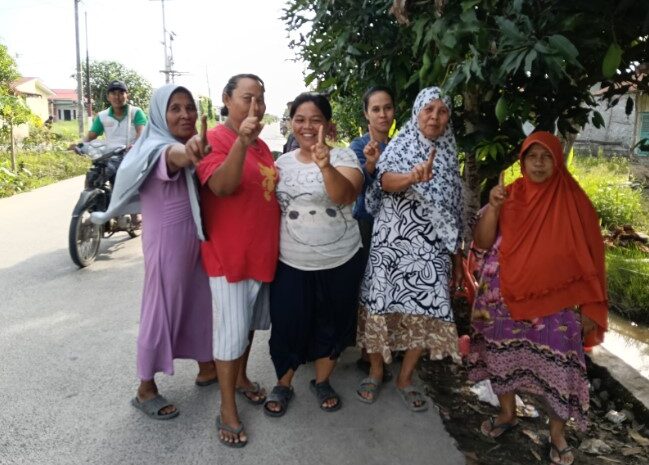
x=214, y=39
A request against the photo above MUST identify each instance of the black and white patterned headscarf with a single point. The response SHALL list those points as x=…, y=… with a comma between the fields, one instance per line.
x=441, y=197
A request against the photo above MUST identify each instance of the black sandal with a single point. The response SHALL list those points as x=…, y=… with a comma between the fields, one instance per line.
x=281, y=395
x=324, y=392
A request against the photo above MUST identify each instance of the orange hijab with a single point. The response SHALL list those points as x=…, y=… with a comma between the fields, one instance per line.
x=551, y=252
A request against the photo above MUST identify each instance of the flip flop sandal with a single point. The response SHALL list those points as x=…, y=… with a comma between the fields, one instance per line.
x=370, y=386
x=503, y=427
x=254, y=390
x=229, y=429
x=364, y=366
x=412, y=396
x=280, y=395
x=152, y=407
x=561, y=453
x=208, y=382
x=324, y=392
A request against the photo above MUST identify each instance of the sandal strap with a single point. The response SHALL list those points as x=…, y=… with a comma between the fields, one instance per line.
x=369, y=385
x=325, y=392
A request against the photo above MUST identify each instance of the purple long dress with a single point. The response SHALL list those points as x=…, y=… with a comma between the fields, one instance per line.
x=543, y=357
x=176, y=316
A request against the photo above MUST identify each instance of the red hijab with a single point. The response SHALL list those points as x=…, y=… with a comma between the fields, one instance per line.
x=551, y=253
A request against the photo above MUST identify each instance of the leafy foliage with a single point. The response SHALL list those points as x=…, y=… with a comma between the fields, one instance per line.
x=39, y=169
x=627, y=274
x=102, y=72
x=504, y=61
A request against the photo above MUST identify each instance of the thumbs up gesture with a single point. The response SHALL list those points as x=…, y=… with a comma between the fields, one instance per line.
x=251, y=126
x=320, y=151
x=197, y=147
x=423, y=172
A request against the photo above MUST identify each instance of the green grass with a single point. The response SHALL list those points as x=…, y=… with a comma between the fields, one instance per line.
x=628, y=283
x=35, y=170
x=68, y=130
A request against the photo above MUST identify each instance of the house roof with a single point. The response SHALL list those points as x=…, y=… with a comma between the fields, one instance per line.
x=18, y=83
x=64, y=94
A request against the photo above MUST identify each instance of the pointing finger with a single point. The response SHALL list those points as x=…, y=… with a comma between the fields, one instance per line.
x=431, y=157
x=253, y=107
x=501, y=179
x=204, y=129
x=321, y=135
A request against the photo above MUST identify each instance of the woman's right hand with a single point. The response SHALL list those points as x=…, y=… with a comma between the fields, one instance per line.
x=372, y=153
x=197, y=147
x=498, y=194
x=251, y=126
x=423, y=172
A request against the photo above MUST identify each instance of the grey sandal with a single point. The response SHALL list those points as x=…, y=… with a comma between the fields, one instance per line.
x=229, y=429
x=370, y=386
x=254, y=390
x=152, y=407
x=324, y=392
x=412, y=396
x=281, y=395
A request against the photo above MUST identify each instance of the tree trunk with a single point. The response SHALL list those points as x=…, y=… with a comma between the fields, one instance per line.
x=471, y=175
x=13, y=148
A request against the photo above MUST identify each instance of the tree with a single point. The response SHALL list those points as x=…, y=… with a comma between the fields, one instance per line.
x=102, y=72
x=13, y=110
x=505, y=62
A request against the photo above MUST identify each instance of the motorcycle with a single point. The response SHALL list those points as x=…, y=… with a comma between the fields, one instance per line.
x=84, y=236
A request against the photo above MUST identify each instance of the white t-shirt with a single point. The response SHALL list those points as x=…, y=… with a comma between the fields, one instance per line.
x=315, y=233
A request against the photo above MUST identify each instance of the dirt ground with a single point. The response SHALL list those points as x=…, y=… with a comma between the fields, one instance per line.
x=626, y=442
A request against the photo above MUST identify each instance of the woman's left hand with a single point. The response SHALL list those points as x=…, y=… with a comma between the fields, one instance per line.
x=320, y=151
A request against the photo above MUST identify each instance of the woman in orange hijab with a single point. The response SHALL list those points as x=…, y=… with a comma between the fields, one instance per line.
x=542, y=293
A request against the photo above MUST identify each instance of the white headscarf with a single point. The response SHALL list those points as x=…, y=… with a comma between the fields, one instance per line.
x=441, y=197
x=142, y=158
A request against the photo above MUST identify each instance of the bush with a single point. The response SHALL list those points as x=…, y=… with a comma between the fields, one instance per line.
x=38, y=169
x=628, y=277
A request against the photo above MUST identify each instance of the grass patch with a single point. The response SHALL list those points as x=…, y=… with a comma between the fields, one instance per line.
x=35, y=170
x=628, y=283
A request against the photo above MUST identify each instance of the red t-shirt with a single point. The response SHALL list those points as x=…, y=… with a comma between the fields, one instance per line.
x=242, y=228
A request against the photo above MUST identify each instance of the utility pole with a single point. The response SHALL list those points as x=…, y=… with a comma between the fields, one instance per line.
x=167, y=70
x=89, y=94
x=80, y=112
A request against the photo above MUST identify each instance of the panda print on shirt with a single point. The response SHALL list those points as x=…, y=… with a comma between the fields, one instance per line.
x=315, y=232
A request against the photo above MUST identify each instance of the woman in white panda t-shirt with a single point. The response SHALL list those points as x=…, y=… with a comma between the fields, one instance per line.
x=314, y=297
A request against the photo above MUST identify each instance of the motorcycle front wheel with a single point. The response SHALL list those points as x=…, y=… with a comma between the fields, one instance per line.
x=84, y=238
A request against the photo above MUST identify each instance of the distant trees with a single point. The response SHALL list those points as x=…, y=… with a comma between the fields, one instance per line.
x=102, y=72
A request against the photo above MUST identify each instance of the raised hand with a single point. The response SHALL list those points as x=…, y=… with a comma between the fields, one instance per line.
x=423, y=172
x=498, y=194
x=197, y=147
x=372, y=153
x=320, y=152
x=251, y=126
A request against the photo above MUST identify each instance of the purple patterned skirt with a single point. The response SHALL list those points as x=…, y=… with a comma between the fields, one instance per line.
x=543, y=357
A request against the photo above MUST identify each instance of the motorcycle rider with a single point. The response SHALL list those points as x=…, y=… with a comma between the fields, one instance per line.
x=120, y=123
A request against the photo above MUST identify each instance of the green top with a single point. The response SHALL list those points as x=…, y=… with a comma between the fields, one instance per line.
x=139, y=119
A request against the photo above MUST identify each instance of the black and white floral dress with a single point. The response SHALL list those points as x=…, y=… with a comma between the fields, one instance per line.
x=405, y=295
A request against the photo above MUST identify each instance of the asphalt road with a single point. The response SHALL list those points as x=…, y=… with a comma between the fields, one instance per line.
x=67, y=370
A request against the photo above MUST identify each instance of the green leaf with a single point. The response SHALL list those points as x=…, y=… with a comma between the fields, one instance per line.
x=542, y=48
x=598, y=120
x=425, y=67
x=418, y=29
x=565, y=48
x=628, y=108
x=353, y=50
x=529, y=60
x=612, y=60
x=501, y=109
x=469, y=4
x=449, y=40
x=509, y=29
